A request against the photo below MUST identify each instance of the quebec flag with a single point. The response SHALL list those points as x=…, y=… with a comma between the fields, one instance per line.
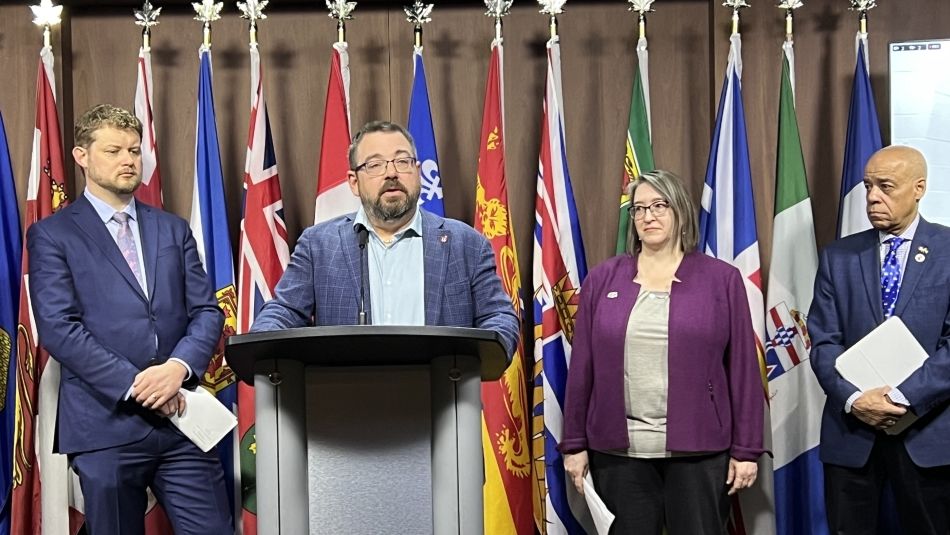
x=420, y=126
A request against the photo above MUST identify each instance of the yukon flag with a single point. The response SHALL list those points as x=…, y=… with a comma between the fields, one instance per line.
x=264, y=256
x=864, y=139
x=10, y=256
x=209, y=224
x=45, y=493
x=150, y=192
x=728, y=232
x=334, y=197
x=507, y=488
x=420, y=126
x=796, y=397
x=559, y=267
x=639, y=154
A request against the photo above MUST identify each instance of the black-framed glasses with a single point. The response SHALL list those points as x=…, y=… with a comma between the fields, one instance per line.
x=657, y=208
x=403, y=164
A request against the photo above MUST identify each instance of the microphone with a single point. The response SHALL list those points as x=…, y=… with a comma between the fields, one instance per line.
x=363, y=237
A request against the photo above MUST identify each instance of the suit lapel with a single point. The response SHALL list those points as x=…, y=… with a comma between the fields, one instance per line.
x=913, y=269
x=148, y=231
x=353, y=256
x=86, y=218
x=436, y=244
x=870, y=260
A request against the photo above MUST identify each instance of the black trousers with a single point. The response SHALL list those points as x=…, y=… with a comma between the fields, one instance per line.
x=686, y=494
x=922, y=495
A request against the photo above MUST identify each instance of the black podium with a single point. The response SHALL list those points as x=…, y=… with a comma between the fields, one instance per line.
x=368, y=429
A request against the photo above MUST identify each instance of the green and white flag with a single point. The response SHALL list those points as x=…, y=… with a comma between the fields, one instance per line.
x=639, y=156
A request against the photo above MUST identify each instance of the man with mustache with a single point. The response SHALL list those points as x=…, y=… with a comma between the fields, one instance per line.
x=900, y=267
x=122, y=302
x=421, y=269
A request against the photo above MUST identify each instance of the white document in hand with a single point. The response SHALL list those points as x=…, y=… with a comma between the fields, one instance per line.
x=603, y=518
x=885, y=356
x=206, y=420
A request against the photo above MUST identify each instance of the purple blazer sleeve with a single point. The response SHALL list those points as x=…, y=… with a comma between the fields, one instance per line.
x=746, y=394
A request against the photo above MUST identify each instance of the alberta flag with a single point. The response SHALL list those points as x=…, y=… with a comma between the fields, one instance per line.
x=420, y=126
x=559, y=267
x=796, y=397
x=209, y=224
x=864, y=139
x=728, y=232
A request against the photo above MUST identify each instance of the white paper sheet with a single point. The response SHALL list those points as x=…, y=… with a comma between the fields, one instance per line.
x=603, y=518
x=206, y=420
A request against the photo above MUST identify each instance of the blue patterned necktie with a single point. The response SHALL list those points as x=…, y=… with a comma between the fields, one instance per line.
x=891, y=276
x=127, y=244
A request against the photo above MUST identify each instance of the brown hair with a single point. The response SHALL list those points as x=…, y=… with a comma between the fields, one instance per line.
x=378, y=126
x=670, y=187
x=103, y=115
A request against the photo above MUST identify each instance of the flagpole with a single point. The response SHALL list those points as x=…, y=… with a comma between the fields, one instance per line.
x=789, y=6
x=47, y=15
x=207, y=12
x=498, y=9
x=862, y=7
x=341, y=10
x=146, y=18
x=736, y=5
x=418, y=14
x=253, y=11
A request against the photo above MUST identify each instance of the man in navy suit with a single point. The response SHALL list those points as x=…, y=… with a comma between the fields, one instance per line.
x=900, y=267
x=390, y=262
x=123, y=304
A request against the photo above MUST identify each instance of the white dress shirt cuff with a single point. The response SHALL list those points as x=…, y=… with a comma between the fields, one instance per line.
x=896, y=396
x=851, y=399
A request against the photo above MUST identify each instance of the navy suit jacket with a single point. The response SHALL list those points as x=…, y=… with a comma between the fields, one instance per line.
x=322, y=283
x=847, y=306
x=94, y=319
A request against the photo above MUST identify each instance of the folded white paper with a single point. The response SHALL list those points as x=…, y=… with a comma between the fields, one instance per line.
x=603, y=518
x=206, y=420
x=886, y=356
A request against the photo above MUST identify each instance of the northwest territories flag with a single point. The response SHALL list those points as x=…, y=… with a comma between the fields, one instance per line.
x=796, y=397
x=420, y=126
x=559, y=267
x=209, y=224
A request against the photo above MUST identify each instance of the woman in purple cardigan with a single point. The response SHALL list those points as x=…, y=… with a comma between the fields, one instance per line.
x=664, y=399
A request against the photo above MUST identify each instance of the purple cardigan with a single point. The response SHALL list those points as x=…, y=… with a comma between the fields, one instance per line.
x=715, y=401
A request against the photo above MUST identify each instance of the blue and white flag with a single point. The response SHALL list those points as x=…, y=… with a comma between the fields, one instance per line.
x=11, y=247
x=420, y=126
x=209, y=224
x=864, y=139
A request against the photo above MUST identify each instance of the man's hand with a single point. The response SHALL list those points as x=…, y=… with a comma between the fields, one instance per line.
x=875, y=409
x=741, y=475
x=175, y=405
x=575, y=464
x=157, y=385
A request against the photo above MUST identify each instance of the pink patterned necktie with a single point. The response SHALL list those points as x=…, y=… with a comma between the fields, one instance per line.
x=127, y=244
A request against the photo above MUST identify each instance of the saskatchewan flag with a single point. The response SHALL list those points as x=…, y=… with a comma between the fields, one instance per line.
x=639, y=156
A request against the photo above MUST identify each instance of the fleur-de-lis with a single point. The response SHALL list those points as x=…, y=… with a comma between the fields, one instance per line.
x=552, y=7
x=641, y=6
x=147, y=16
x=735, y=4
x=341, y=9
x=498, y=8
x=207, y=10
x=419, y=13
x=863, y=5
x=790, y=4
x=253, y=9
x=46, y=14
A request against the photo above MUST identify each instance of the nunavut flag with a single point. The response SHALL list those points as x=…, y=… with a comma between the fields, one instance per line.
x=507, y=488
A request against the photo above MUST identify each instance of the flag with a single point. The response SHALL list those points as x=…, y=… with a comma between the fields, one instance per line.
x=209, y=224
x=263, y=258
x=44, y=501
x=150, y=192
x=507, y=488
x=639, y=155
x=559, y=267
x=727, y=231
x=420, y=126
x=796, y=397
x=10, y=257
x=334, y=197
x=864, y=139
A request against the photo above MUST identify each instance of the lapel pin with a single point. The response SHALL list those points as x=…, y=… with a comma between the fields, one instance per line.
x=444, y=238
x=922, y=253
x=612, y=295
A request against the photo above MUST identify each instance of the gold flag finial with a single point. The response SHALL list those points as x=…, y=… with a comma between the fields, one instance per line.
x=207, y=11
x=642, y=7
x=47, y=15
x=253, y=10
x=736, y=5
x=498, y=9
x=863, y=6
x=418, y=14
x=789, y=6
x=342, y=11
x=146, y=18
x=553, y=8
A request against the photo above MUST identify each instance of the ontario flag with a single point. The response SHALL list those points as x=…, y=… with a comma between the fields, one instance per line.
x=45, y=493
x=638, y=158
x=727, y=231
x=507, y=488
x=11, y=249
x=150, y=192
x=863, y=140
x=334, y=197
x=263, y=258
x=559, y=267
x=420, y=126
x=209, y=224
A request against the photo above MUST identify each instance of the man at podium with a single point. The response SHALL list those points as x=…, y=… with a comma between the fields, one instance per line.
x=391, y=262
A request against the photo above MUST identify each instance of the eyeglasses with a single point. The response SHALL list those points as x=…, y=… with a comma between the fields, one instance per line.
x=657, y=208
x=403, y=164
